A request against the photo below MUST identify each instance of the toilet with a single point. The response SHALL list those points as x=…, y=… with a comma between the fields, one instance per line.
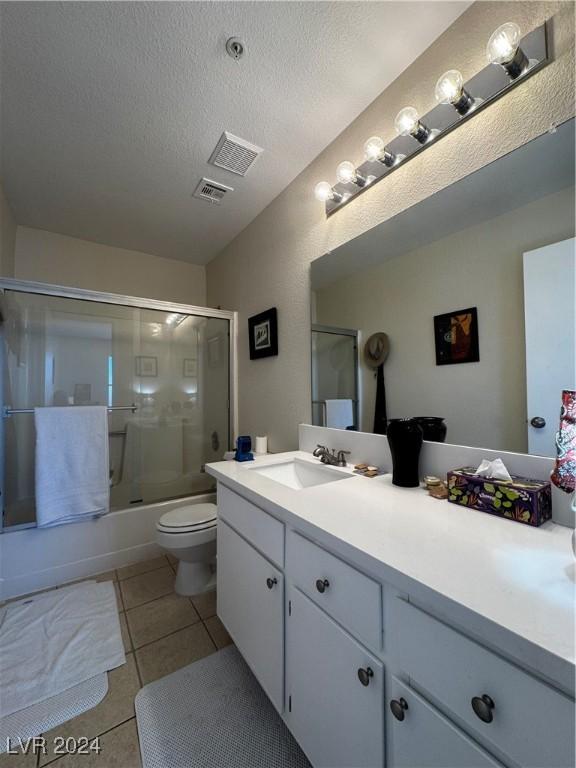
x=188, y=533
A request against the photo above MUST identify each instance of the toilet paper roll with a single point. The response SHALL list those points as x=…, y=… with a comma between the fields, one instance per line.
x=261, y=445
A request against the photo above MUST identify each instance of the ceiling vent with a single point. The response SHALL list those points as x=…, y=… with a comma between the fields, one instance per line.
x=212, y=191
x=235, y=154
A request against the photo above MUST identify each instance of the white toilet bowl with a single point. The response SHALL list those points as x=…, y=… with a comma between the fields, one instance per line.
x=189, y=534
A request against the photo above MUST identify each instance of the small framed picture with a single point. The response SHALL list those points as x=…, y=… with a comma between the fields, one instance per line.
x=190, y=368
x=263, y=334
x=456, y=337
x=146, y=366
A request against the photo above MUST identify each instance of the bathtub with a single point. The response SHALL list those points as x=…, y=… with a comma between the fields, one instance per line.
x=33, y=558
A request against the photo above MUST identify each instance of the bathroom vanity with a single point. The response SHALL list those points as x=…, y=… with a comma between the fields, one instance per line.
x=389, y=628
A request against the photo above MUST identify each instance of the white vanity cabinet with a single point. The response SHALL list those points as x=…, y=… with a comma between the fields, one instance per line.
x=361, y=675
x=334, y=690
x=251, y=606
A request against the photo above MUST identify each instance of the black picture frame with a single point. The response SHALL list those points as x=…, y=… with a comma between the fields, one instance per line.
x=263, y=334
x=456, y=337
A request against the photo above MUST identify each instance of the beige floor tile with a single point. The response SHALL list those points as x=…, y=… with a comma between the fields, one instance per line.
x=119, y=749
x=126, y=639
x=218, y=632
x=173, y=652
x=99, y=577
x=146, y=587
x=21, y=760
x=159, y=618
x=116, y=707
x=205, y=604
x=143, y=566
x=172, y=560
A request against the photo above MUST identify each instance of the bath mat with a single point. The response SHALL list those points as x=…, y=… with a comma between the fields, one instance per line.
x=41, y=718
x=56, y=640
x=213, y=714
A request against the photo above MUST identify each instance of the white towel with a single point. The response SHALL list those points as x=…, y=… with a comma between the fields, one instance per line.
x=72, y=464
x=339, y=414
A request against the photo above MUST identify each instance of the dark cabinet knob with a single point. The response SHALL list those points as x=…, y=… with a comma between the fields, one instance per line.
x=364, y=675
x=270, y=583
x=398, y=707
x=538, y=422
x=483, y=706
x=322, y=585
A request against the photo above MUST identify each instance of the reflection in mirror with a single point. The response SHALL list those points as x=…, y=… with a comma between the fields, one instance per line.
x=475, y=289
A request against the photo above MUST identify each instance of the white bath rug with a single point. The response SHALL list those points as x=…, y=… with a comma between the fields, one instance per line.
x=55, y=641
x=213, y=714
x=40, y=718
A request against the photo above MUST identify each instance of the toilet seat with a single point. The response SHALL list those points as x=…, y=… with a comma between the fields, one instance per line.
x=188, y=519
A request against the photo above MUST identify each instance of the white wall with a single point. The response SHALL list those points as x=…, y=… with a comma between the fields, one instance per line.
x=7, y=237
x=268, y=263
x=52, y=258
x=481, y=266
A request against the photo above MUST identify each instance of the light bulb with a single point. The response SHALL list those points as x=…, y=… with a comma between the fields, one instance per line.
x=323, y=191
x=406, y=121
x=375, y=152
x=450, y=90
x=346, y=173
x=504, y=48
x=408, y=124
x=503, y=43
x=374, y=149
x=449, y=87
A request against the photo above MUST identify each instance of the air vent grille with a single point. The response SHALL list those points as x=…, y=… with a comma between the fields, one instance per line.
x=212, y=191
x=235, y=154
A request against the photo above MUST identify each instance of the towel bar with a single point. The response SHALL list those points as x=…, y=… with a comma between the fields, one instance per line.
x=11, y=411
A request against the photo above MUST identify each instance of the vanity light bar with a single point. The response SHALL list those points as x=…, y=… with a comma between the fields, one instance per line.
x=512, y=60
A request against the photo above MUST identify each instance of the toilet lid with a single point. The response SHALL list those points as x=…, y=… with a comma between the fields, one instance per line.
x=188, y=516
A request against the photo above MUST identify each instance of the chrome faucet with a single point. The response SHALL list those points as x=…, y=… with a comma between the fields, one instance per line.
x=335, y=459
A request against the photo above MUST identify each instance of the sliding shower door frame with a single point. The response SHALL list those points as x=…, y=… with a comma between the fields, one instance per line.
x=336, y=331
x=66, y=292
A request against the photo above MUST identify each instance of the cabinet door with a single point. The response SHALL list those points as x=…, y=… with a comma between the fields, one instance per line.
x=251, y=607
x=336, y=719
x=424, y=738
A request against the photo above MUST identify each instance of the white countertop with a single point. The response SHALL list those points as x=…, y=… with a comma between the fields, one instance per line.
x=522, y=579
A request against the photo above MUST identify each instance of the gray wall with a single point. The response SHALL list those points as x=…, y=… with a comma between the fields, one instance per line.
x=7, y=237
x=268, y=263
x=484, y=403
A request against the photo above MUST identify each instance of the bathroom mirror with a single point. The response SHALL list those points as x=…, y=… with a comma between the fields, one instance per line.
x=474, y=289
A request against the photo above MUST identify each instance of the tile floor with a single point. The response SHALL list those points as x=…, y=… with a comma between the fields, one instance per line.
x=162, y=632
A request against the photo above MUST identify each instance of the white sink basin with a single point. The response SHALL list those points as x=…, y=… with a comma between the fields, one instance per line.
x=299, y=474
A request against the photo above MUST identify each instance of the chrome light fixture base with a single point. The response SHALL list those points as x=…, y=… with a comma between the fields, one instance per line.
x=484, y=88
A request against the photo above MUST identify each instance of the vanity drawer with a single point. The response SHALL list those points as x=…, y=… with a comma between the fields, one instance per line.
x=344, y=593
x=531, y=723
x=263, y=531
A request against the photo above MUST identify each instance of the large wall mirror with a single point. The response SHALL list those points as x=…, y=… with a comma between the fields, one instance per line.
x=461, y=308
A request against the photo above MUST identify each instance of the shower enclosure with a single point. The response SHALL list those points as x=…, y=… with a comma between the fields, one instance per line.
x=164, y=371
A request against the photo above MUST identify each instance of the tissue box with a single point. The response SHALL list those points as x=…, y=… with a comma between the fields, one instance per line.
x=524, y=500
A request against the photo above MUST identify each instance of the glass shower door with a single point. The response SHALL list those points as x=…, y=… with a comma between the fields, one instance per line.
x=164, y=378
x=334, y=374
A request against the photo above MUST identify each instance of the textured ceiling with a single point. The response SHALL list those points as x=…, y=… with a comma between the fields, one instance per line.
x=110, y=110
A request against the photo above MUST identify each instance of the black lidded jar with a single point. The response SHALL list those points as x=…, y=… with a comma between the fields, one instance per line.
x=405, y=438
x=433, y=427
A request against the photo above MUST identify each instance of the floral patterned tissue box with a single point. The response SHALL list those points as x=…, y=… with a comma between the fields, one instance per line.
x=524, y=500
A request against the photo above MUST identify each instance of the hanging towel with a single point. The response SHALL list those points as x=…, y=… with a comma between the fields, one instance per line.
x=339, y=414
x=72, y=464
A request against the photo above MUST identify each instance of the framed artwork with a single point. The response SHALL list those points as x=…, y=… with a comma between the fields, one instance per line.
x=146, y=366
x=456, y=337
x=263, y=334
x=190, y=368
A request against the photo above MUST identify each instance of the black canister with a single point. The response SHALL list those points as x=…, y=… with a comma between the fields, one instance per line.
x=405, y=438
x=433, y=427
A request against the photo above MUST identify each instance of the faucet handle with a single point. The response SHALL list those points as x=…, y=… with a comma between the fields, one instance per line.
x=341, y=459
x=319, y=450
